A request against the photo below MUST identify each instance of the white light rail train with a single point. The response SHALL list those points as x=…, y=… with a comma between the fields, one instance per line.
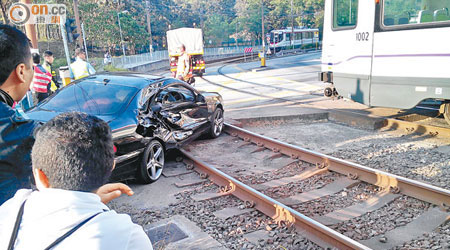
x=281, y=39
x=388, y=53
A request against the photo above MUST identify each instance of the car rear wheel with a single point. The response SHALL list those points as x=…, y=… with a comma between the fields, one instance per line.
x=217, y=123
x=152, y=163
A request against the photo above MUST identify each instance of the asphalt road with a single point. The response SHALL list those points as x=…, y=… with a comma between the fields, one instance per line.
x=287, y=80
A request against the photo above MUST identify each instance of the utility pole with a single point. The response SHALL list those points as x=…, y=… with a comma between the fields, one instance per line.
x=77, y=23
x=30, y=30
x=292, y=17
x=263, y=36
x=66, y=46
x=149, y=24
x=84, y=41
x=5, y=17
x=236, y=36
x=120, y=30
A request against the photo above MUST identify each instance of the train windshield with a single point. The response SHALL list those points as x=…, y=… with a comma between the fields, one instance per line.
x=276, y=37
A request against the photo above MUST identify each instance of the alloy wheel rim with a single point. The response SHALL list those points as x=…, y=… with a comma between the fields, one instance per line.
x=155, y=162
x=218, y=123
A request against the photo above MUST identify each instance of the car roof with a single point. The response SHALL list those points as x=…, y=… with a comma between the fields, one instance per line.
x=132, y=79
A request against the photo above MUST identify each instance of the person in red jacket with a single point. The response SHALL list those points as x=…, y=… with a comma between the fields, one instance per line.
x=41, y=80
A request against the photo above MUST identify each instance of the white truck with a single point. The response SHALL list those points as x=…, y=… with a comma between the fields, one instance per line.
x=192, y=39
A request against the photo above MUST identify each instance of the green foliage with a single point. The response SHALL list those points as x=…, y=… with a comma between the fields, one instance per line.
x=111, y=68
x=58, y=62
x=218, y=30
x=219, y=19
x=346, y=12
x=96, y=62
x=397, y=8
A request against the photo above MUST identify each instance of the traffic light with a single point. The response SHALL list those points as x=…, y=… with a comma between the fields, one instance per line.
x=71, y=37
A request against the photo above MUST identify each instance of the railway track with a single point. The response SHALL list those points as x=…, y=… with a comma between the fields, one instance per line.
x=312, y=178
x=408, y=124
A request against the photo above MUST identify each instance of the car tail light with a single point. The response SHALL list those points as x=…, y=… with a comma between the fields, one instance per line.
x=115, y=149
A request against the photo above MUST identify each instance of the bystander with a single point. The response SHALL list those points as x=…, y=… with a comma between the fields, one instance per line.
x=41, y=80
x=48, y=62
x=16, y=140
x=81, y=68
x=73, y=157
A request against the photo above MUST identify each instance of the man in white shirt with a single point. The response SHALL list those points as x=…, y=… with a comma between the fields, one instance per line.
x=182, y=64
x=72, y=158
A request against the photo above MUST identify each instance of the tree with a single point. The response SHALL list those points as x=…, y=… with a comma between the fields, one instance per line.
x=218, y=30
x=217, y=19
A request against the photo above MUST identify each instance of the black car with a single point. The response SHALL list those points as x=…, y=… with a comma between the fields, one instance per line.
x=148, y=115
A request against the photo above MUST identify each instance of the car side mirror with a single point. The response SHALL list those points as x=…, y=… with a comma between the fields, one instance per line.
x=201, y=98
x=156, y=108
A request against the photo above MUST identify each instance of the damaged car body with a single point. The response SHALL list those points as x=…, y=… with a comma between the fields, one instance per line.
x=148, y=116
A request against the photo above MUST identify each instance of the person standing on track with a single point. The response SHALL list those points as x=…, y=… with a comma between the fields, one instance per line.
x=183, y=65
x=41, y=81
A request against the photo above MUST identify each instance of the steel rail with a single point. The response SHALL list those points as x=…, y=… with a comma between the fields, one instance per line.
x=312, y=230
x=413, y=188
x=416, y=128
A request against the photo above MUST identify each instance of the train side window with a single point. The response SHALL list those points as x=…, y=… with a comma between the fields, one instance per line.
x=288, y=36
x=345, y=13
x=414, y=13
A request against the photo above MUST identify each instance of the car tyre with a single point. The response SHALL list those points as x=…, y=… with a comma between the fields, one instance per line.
x=152, y=163
x=217, y=123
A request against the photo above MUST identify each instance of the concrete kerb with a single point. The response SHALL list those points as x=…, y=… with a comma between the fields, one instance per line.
x=285, y=118
x=354, y=120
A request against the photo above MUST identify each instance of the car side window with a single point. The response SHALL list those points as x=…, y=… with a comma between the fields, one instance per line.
x=176, y=94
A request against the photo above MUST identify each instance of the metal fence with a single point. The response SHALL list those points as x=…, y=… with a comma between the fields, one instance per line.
x=136, y=60
x=140, y=59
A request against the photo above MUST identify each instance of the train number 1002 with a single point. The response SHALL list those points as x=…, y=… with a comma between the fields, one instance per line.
x=362, y=36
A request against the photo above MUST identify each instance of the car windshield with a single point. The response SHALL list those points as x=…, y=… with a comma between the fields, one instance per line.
x=91, y=97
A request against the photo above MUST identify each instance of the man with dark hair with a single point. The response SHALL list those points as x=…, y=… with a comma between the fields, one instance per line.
x=73, y=157
x=81, y=68
x=48, y=61
x=75, y=151
x=41, y=80
x=16, y=140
